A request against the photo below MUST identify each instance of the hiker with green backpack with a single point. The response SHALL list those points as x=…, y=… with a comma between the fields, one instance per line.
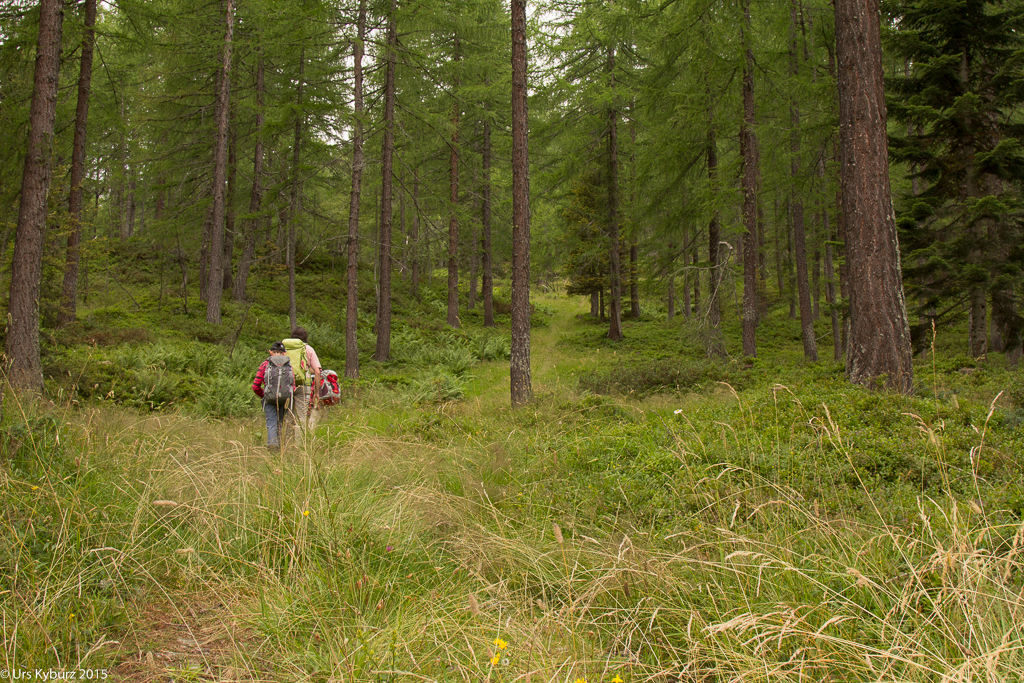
x=275, y=384
x=306, y=365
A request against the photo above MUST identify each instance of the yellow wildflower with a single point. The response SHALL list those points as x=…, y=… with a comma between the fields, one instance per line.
x=501, y=644
x=496, y=659
x=581, y=680
x=616, y=679
x=305, y=513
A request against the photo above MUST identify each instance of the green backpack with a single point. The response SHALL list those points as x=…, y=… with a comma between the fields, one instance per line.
x=296, y=350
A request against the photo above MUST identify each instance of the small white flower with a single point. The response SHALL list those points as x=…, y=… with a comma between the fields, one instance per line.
x=678, y=411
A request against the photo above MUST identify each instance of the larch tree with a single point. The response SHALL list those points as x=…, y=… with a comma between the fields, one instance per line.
x=254, y=220
x=352, y=241
x=879, y=345
x=614, y=249
x=215, y=286
x=453, y=197
x=25, y=367
x=750, y=184
x=796, y=202
x=519, y=363
x=383, y=351
x=76, y=199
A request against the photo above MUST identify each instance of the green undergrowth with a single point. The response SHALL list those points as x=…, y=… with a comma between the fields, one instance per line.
x=652, y=515
x=588, y=534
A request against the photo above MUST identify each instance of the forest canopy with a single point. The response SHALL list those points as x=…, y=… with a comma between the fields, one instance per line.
x=687, y=154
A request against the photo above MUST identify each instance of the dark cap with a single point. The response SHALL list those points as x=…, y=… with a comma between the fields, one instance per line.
x=277, y=346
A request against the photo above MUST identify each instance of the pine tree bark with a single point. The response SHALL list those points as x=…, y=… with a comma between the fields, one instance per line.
x=383, y=351
x=519, y=364
x=352, y=269
x=256, y=194
x=76, y=200
x=453, y=219
x=215, y=285
x=615, y=279
x=879, y=346
x=749, y=184
x=26, y=269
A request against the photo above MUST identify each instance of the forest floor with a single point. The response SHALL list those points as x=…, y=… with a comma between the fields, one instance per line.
x=650, y=516
x=200, y=634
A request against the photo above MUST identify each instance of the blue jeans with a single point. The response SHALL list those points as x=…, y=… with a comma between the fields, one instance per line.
x=275, y=422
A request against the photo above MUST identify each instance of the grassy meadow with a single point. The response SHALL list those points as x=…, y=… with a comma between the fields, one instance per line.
x=651, y=516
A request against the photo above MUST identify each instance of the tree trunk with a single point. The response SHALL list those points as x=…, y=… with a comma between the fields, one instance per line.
x=615, y=279
x=687, y=306
x=352, y=270
x=415, y=236
x=453, y=220
x=256, y=195
x=696, y=281
x=215, y=285
x=295, y=200
x=715, y=268
x=634, y=281
x=383, y=351
x=816, y=276
x=791, y=286
x=474, y=245
x=879, y=345
x=120, y=193
x=830, y=292
x=519, y=364
x=749, y=184
x=485, y=220
x=978, y=292
x=158, y=209
x=671, y=302
x=76, y=200
x=229, y=202
x=130, y=203
x=799, y=238
x=26, y=269
x=780, y=266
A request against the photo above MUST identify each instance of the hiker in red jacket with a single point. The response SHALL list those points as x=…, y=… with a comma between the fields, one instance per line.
x=275, y=384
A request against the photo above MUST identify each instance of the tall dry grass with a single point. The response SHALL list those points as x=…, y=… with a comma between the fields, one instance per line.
x=423, y=553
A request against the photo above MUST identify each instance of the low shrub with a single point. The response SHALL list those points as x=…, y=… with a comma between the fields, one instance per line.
x=438, y=388
x=644, y=377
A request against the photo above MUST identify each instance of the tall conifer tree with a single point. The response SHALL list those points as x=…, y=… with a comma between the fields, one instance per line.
x=26, y=271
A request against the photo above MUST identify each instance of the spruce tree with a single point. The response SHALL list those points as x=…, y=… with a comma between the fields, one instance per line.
x=960, y=140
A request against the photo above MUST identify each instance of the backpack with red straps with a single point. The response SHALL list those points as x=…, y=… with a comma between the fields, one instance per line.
x=330, y=393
